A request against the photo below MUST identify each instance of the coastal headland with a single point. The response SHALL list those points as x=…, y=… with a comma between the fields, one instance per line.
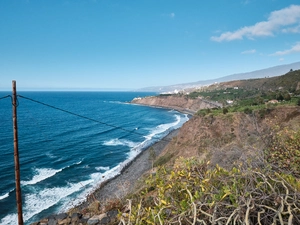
x=225, y=140
x=180, y=103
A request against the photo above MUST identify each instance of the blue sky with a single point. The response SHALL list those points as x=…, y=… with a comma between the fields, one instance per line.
x=129, y=44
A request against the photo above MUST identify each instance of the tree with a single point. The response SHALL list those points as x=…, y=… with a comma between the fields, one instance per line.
x=287, y=97
x=225, y=110
x=279, y=97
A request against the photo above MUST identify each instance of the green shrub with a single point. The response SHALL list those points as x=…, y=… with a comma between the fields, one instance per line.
x=248, y=110
x=163, y=159
x=284, y=151
x=191, y=193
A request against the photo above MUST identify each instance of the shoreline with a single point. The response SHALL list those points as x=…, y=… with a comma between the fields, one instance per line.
x=180, y=110
x=122, y=184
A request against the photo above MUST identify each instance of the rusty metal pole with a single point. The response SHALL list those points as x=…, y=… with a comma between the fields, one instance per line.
x=16, y=154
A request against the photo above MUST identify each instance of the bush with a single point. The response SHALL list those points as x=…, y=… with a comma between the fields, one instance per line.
x=284, y=151
x=163, y=159
x=248, y=110
x=191, y=193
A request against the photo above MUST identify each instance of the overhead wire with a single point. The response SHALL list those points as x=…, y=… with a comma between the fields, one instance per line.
x=87, y=118
x=7, y=96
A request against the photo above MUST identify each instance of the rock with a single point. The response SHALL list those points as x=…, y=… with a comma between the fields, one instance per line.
x=65, y=221
x=94, y=207
x=52, y=221
x=44, y=221
x=112, y=213
x=61, y=216
x=94, y=220
x=75, y=217
x=82, y=221
x=105, y=220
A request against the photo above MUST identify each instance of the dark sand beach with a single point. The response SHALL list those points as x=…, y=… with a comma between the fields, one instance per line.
x=121, y=185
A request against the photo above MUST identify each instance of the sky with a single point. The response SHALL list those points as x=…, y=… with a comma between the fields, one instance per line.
x=131, y=44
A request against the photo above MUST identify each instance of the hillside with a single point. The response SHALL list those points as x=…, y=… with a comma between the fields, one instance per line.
x=287, y=82
x=218, y=168
x=268, y=72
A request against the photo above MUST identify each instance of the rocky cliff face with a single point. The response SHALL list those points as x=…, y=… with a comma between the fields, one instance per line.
x=180, y=103
x=231, y=138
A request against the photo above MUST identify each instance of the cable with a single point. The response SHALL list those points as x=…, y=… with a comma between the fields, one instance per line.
x=87, y=118
x=5, y=97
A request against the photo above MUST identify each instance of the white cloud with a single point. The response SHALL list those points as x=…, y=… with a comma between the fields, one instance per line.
x=277, y=19
x=295, y=29
x=294, y=49
x=281, y=59
x=252, y=51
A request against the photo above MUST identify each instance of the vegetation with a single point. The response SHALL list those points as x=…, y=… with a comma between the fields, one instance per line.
x=284, y=151
x=191, y=193
x=255, y=91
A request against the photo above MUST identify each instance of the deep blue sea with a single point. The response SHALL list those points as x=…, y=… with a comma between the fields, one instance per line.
x=63, y=157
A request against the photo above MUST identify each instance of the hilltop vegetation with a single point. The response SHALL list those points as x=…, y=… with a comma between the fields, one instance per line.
x=253, y=91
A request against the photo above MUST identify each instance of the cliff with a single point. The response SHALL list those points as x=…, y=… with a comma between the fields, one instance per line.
x=234, y=137
x=177, y=102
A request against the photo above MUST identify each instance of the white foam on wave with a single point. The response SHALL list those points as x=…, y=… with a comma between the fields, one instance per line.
x=116, y=142
x=4, y=196
x=163, y=127
x=96, y=179
x=77, y=163
x=115, y=102
x=40, y=175
x=51, y=156
x=100, y=177
x=38, y=201
x=105, y=168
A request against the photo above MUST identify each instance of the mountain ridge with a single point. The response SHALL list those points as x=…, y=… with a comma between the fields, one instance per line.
x=267, y=72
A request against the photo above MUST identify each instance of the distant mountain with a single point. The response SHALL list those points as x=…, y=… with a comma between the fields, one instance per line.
x=269, y=72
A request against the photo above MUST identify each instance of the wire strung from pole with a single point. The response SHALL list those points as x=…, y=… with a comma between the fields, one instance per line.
x=7, y=96
x=87, y=118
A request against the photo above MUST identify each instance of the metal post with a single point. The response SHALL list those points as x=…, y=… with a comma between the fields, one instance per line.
x=16, y=154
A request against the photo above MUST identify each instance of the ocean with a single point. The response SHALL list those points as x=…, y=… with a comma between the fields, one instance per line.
x=64, y=155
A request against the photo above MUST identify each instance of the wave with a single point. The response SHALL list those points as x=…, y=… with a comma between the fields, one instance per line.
x=100, y=177
x=40, y=175
x=116, y=102
x=163, y=128
x=117, y=141
x=105, y=168
x=50, y=155
x=41, y=200
x=45, y=173
x=4, y=196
